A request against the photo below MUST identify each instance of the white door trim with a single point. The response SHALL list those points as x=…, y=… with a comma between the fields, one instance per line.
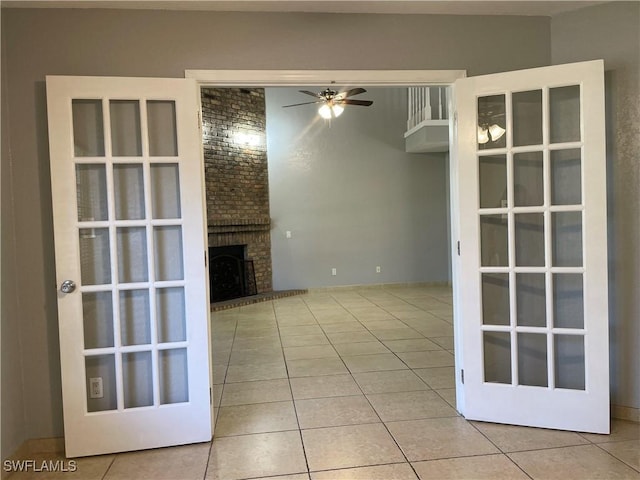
x=284, y=78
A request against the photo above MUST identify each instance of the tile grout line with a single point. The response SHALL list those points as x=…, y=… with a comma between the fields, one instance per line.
x=370, y=405
x=361, y=466
x=348, y=372
x=385, y=426
x=371, y=332
x=224, y=380
x=408, y=326
x=206, y=468
x=612, y=455
x=293, y=402
x=502, y=452
x=325, y=334
x=104, y=477
x=213, y=437
x=392, y=437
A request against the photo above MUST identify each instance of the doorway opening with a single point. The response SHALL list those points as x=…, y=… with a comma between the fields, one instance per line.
x=403, y=79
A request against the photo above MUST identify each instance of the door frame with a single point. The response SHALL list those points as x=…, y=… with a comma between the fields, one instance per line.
x=377, y=78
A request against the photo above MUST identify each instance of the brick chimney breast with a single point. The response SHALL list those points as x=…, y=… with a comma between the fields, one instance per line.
x=236, y=174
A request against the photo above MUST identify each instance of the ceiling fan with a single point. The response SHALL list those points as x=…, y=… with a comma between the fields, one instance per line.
x=333, y=102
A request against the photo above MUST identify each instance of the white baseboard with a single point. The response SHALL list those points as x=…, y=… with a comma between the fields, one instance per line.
x=376, y=286
x=625, y=413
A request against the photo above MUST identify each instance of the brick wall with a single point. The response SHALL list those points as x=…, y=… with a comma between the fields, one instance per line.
x=236, y=175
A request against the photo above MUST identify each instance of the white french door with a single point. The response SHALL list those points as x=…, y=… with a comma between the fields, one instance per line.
x=532, y=283
x=130, y=241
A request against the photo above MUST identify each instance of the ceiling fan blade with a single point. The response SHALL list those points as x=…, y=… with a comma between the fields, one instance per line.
x=350, y=93
x=307, y=92
x=305, y=103
x=363, y=103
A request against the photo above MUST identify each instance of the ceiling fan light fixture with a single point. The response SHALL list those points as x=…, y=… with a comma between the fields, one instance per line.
x=328, y=111
x=496, y=131
x=483, y=135
x=325, y=111
x=337, y=110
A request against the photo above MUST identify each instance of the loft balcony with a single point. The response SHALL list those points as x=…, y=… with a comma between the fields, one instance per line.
x=428, y=120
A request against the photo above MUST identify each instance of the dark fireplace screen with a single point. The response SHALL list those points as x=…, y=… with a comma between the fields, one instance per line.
x=231, y=274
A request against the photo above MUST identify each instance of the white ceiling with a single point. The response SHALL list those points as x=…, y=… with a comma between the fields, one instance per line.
x=451, y=7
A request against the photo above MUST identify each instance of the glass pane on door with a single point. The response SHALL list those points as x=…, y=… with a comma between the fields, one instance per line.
x=570, y=362
x=567, y=238
x=529, y=231
x=493, y=181
x=137, y=379
x=132, y=254
x=564, y=114
x=495, y=299
x=568, y=300
x=168, y=248
x=566, y=177
x=135, y=317
x=173, y=376
x=125, y=128
x=527, y=118
x=171, y=315
x=100, y=378
x=97, y=313
x=91, y=194
x=95, y=256
x=497, y=357
x=88, y=128
x=528, y=172
x=165, y=190
x=494, y=240
x=532, y=359
x=531, y=299
x=128, y=192
x=521, y=242
x=127, y=196
x=492, y=122
x=161, y=122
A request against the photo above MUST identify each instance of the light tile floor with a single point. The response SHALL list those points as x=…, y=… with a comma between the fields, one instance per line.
x=357, y=384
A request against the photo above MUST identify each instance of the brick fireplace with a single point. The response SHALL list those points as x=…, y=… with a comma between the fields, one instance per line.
x=236, y=175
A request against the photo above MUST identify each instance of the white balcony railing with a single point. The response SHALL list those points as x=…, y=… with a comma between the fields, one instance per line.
x=427, y=120
x=427, y=103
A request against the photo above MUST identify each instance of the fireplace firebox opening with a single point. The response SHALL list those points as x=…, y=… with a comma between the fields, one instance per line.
x=231, y=274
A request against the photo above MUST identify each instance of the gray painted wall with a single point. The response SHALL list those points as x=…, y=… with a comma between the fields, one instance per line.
x=351, y=197
x=165, y=43
x=612, y=32
x=12, y=421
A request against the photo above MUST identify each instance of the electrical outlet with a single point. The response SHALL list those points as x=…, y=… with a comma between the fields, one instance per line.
x=95, y=388
x=378, y=269
x=334, y=271
x=288, y=234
